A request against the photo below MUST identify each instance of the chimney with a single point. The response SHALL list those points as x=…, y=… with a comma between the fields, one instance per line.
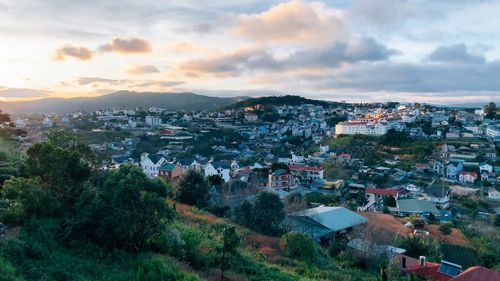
x=403, y=262
x=421, y=261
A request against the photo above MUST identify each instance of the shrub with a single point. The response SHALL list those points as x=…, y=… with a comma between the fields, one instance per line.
x=298, y=245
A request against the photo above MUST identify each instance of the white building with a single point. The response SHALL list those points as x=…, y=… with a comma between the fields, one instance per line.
x=153, y=121
x=492, y=132
x=493, y=194
x=220, y=168
x=376, y=128
x=151, y=163
x=251, y=117
x=20, y=123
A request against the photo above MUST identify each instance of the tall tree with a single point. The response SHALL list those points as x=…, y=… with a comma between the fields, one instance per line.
x=490, y=110
x=193, y=189
x=269, y=213
x=445, y=229
x=230, y=241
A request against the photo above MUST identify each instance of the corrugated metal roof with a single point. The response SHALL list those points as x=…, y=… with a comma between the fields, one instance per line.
x=333, y=218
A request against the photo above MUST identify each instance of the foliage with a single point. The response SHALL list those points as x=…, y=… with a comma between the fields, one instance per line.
x=265, y=216
x=491, y=110
x=420, y=246
x=25, y=198
x=215, y=180
x=334, y=120
x=276, y=166
x=321, y=198
x=298, y=245
x=277, y=101
x=389, y=201
x=226, y=252
x=7, y=272
x=445, y=229
x=394, y=138
x=4, y=117
x=193, y=189
x=121, y=209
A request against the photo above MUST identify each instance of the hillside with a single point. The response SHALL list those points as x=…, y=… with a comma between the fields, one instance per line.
x=278, y=100
x=121, y=99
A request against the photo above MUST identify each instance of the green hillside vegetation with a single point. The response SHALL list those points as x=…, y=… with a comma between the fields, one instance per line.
x=278, y=100
x=77, y=222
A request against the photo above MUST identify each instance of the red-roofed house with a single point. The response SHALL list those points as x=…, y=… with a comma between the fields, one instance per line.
x=467, y=177
x=281, y=179
x=375, y=198
x=422, y=268
x=307, y=172
x=478, y=273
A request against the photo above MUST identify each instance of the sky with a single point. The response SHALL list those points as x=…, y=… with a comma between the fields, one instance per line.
x=434, y=51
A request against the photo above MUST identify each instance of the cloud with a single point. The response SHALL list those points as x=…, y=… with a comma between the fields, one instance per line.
x=142, y=69
x=127, y=46
x=292, y=22
x=79, y=53
x=153, y=83
x=9, y=93
x=98, y=82
x=248, y=60
x=455, y=54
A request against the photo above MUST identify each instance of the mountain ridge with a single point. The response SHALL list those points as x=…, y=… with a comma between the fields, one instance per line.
x=121, y=99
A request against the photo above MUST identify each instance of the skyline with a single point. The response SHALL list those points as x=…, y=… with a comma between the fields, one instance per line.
x=365, y=50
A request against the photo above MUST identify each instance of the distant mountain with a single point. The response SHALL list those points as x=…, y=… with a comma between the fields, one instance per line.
x=278, y=100
x=121, y=99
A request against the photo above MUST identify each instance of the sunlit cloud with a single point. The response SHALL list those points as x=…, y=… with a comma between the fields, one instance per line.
x=142, y=69
x=68, y=51
x=127, y=46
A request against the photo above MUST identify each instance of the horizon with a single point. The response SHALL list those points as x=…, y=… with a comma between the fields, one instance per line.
x=353, y=51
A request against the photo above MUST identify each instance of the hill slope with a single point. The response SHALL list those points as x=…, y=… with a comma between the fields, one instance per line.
x=121, y=99
x=278, y=100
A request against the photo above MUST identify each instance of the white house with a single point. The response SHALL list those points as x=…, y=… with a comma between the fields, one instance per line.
x=220, y=168
x=467, y=177
x=493, y=194
x=354, y=127
x=151, y=163
x=153, y=121
x=20, y=123
x=485, y=167
x=492, y=132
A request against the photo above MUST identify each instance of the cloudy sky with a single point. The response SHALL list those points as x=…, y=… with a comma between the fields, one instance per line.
x=438, y=51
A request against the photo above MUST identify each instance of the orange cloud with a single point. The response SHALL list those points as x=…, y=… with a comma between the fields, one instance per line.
x=127, y=46
x=292, y=22
x=142, y=69
x=79, y=53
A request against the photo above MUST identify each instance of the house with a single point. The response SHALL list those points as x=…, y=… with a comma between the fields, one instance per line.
x=344, y=158
x=425, y=270
x=477, y=273
x=153, y=121
x=485, y=167
x=171, y=172
x=375, y=198
x=323, y=222
x=191, y=163
x=407, y=207
x=150, y=163
x=453, y=169
x=493, y=194
x=439, y=195
x=467, y=177
x=281, y=179
x=220, y=168
x=117, y=161
x=311, y=173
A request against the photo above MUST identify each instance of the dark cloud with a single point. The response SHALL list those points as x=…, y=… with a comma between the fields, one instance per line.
x=127, y=46
x=233, y=64
x=80, y=53
x=455, y=54
x=142, y=69
x=166, y=84
x=6, y=92
x=406, y=77
x=97, y=81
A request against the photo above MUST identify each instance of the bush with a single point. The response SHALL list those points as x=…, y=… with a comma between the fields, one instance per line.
x=160, y=268
x=298, y=245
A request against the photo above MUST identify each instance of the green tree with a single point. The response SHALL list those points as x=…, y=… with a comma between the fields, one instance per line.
x=269, y=213
x=193, y=189
x=389, y=201
x=245, y=214
x=276, y=166
x=298, y=245
x=215, y=180
x=445, y=229
x=4, y=117
x=230, y=241
x=491, y=110
x=121, y=209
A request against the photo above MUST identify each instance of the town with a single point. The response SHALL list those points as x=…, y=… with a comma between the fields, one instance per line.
x=348, y=173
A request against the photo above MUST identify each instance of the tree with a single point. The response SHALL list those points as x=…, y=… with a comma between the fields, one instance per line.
x=389, y=201
x=269, y=213
x=276, y=166
x=4, y=117
x=215, y=180
x=298, y=245
x=445, y=229
x=497, y=220
x=245, y=215
x=230, y=241
x=193, y=189
x=490, y=110
x=121, y=209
